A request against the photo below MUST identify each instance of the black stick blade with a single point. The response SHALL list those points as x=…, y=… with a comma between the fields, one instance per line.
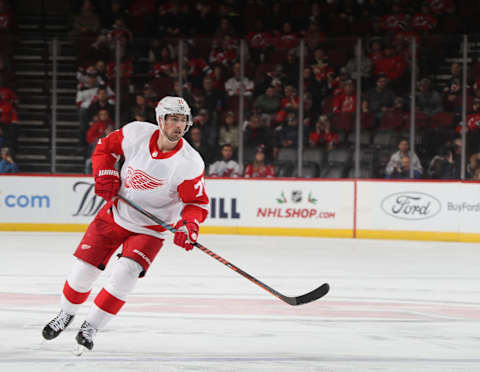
x=309, y=297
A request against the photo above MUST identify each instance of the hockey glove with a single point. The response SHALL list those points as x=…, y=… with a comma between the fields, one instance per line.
x=107, y=183
x=187, y=234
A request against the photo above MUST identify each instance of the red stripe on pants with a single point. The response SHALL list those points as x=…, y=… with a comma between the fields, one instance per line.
x=108, y=302
x=73, y=296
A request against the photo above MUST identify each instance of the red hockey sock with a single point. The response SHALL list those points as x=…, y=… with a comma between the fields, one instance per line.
x=108, y=302
x=74, y=296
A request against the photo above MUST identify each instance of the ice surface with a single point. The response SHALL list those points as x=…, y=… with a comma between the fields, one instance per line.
x=393, y=306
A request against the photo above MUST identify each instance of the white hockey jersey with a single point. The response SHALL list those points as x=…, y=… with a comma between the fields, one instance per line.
x=170, y=185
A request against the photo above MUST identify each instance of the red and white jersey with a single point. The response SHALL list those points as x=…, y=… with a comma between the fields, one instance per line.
x=170, y=185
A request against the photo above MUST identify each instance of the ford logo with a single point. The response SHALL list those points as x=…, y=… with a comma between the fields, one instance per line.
x=411, y=205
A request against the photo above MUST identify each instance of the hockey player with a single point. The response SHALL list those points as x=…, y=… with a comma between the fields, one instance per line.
x=163, y=173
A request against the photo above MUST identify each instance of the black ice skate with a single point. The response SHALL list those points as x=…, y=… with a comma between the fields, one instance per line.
x=57, y=325
x=85, y=337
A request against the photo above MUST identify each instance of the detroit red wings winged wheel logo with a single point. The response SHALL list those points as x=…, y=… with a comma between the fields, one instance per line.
x=139, y=180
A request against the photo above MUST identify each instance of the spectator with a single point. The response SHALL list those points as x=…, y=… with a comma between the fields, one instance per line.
x=213, y=97
x=163, y=64
x=452, y=93
x=322, y=135
x=289, y=103
x=226, y=167
x=195, y=138
x=86, y=24
x=100, y=101
x=428, y=100
x=85, y=96
x=256, y=132
x=287, y=133
x=9, y=124
x=391, y=64
x=7, y=164
x=267, y=104
x=447, y=163
x=395, y=164
x=143, y=109
x=346, y=101
x=320, y=67
x=98, y=129
x=366, y=66
x=209, y=130
x=234, y=84
x=258, y=168
x=286, y=38
x=229, y=131
x=218, y=80
x=403, y=171
x=290, y=68
x=379, y=98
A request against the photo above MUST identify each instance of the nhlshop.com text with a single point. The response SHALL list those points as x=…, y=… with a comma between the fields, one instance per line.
x=294, y=213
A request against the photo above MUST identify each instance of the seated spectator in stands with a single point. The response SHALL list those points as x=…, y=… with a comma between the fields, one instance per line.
x=286, y=135
x=234, y=84
x=98, y=129
x=163, y=65
x=290, y=68
x=346, y=101
x=428, y=100
x=259, y=168
x=98, y=102
x=86, y=26
x=447, y=163
x=2, y=139
x=142, y=108
x=320, y=66
x=289, y=103
x=391, y=65
x=321, y=135
x=424, y=21
x=85, y=96
x=286, y=38
x=403, y=171
x=395, y=163
x=256, y=132
x=375, y=51
x=226, y=167
x=116, y=10
x=229, y=131
x=366, y=66
x=213, y=97
x=218, y=79
x=6, y=94
x=379, y=98
x=7, y=164
x=260, y=41
x=452, y=93
x=209, y=130
x=195, y=138
x=267, y=104
x=224, y=51
x=9, y=124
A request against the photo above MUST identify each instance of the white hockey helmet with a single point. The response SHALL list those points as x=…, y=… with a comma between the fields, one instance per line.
x=173, y=105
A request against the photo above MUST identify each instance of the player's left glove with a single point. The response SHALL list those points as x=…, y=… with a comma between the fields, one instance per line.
x=187, y=233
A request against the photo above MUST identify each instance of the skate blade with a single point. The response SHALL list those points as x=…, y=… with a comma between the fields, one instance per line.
x=80, y=350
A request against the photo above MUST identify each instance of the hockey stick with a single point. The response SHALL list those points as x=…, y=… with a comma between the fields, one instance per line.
x=303, y=299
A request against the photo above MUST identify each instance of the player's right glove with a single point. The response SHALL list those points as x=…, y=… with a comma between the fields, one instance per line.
x=107, y=183
x=187, y=233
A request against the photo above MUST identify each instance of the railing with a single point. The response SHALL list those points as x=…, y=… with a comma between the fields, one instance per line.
x=336, y=118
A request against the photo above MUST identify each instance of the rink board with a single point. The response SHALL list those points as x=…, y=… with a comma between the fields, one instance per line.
x=292, y=207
